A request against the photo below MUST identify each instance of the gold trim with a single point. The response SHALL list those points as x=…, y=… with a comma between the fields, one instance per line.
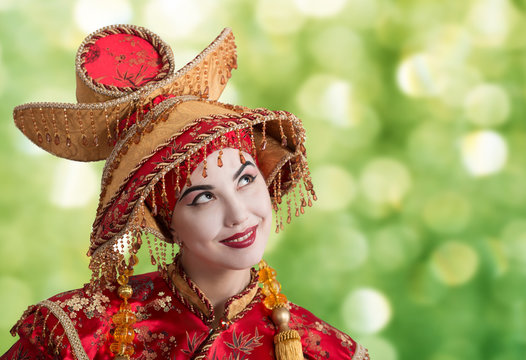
x=69, y=329
x=162, y=48
x=113, y=190
x=361, y=353
x=71, y=144
x=132, y=131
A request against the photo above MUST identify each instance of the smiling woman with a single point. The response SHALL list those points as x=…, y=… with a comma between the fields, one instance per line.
x=223, y=220
x=192, y=174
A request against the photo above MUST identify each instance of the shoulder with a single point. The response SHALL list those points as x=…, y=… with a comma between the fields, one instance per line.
x=53, y=325
x=321, y=340
x=75, y=324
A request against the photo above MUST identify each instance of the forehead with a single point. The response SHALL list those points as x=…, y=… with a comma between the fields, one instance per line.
x=229, y=160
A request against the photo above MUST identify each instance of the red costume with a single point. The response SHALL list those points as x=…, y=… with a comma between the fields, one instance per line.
x=153, y=126
x=173, y=323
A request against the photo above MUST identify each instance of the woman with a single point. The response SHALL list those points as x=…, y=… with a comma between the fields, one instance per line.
x=185, y=171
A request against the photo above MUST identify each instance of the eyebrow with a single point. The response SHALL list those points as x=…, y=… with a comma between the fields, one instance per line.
x=195, y=188
x=210, y=187
x=240, y=170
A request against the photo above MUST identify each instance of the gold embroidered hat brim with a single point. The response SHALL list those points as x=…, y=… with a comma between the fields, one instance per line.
x=86, y=131
x=281, y=131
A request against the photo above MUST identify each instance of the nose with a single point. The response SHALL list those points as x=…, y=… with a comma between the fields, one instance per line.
x=236, y=211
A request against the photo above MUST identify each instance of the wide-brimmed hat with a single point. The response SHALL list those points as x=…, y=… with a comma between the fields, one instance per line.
x=148, y=121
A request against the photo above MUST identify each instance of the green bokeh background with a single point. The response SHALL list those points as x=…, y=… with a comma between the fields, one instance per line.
x=416, y=137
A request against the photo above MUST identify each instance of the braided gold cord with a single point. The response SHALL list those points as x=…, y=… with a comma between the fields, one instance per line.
x=286, y=335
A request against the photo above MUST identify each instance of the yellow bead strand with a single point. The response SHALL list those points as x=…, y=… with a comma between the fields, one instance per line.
x=271, y=288
x=124, y=319
x=287, y=342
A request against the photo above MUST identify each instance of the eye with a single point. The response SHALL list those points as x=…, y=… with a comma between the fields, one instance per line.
x=245, y=180
x=203, y=198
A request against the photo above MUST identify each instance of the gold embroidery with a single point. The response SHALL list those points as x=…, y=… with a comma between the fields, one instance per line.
x=69, y=329
x=361, y=353
x=240, y=304
x=94, y=306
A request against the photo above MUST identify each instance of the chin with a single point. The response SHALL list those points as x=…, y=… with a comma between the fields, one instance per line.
x=246, y=261
x=246, y=258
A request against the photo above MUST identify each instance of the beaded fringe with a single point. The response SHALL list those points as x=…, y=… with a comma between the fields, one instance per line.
x=298, y=184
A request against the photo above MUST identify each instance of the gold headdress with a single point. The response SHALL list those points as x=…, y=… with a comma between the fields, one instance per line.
x=153, y=125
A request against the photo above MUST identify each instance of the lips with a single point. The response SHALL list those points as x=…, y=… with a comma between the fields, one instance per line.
x=241, y=240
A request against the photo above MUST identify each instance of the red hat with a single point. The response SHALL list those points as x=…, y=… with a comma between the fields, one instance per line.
x=153, y=126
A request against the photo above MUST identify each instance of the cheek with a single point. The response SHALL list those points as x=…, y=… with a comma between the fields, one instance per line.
x=194, y=227
x=260, y=202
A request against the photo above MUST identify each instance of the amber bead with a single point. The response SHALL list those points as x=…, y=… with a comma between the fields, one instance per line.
x=275, y=286
x=126, y=317
x=281, y=299
x=122, y=279
x=125, y=291
x=125, y=307
x=129, y=272
x=124, y=334
x=272, y=301
x=119, y=348
x=266, y=273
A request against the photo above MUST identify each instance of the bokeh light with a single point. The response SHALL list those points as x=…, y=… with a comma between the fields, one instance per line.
x=451, y=43
x=366, y=311
x=178, y=18
x=418, y=75
x=76, y=184
x=329, y=99
x=447, y=212
x=385, y=181
x=363, y=14
x=455, y=263
x=487, y=105
x=489, y=21
x=381, y=348
x=320, y=8
x=336, y=188
x=484, y=152
x=93, y=14
x=348, y=244
x=279, y=16
x=414, y=117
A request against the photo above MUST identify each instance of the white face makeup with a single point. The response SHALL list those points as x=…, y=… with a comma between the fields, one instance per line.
x=224, y=220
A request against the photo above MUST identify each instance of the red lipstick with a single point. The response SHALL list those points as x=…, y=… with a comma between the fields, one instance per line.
x=241, y=240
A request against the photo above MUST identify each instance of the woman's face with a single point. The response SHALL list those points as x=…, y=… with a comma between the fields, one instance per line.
x=223, y=220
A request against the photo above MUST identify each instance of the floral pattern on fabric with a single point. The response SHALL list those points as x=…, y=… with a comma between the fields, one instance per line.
x=122, y=60
x=94, y=306
x=244, y=344
x=166, y=329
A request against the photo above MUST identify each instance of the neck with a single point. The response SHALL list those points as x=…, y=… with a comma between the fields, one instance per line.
x=217, y=283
